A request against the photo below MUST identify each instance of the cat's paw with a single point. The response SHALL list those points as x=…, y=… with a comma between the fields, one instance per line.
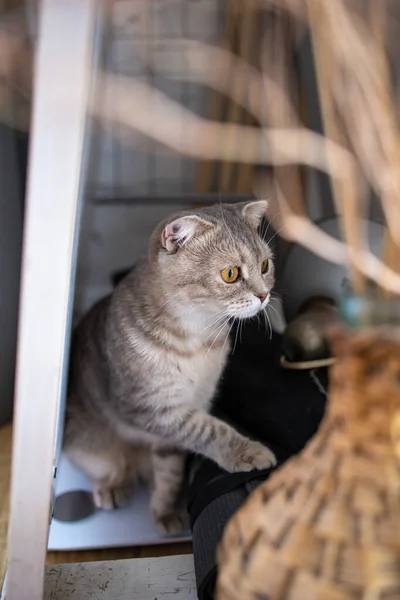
x=253, y=456
x=111, y=498
x=171, y=523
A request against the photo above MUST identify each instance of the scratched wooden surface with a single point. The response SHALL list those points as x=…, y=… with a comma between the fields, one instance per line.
x=5, y=463
x=163, y=578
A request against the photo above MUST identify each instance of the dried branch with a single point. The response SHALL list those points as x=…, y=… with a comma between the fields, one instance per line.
x=140, y=107
x=189, y=60
x=302, y=230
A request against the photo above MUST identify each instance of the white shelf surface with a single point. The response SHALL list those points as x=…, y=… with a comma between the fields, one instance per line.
x=127, y=526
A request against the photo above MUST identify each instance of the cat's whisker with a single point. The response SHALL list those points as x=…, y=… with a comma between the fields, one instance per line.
x=187, y=313
x=270, y=222
x=215, y=324
x=212, y=322
x=209, y=317
x=218, y=327
x=224, y=344
x=214, y=317
x=264, y=229
x=236, y=337
x=273, y=308
x=269, y=324
x=217, y=335
x=276, y=297
x=275, y=234
x=265, y=320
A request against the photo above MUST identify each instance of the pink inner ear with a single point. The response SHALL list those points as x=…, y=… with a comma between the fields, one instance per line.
x=171, y=237
x=181, y=231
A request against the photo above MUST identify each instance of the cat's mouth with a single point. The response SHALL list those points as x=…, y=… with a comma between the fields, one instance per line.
x=253, y=309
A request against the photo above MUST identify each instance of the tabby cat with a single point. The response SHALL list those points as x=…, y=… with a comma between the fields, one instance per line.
x=146, y=361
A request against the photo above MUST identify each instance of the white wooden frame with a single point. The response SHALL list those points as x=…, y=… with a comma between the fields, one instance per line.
x=62, y=84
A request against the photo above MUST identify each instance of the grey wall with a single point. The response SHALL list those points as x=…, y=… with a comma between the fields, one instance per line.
x=113, y=237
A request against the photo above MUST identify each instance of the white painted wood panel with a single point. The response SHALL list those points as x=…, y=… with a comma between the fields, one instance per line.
x=62, y=79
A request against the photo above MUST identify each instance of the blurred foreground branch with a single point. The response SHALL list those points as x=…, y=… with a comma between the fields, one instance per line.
x=359, y=151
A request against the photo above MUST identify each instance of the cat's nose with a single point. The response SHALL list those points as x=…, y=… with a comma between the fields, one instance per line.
x=262, y=297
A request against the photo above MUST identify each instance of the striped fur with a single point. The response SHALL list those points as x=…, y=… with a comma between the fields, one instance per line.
x=146, y=361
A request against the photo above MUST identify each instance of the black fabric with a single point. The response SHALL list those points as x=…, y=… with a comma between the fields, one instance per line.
x=279, y=407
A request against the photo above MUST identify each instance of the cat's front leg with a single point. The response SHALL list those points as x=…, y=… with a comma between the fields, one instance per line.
x=199, y=432
x=219, y=441
x=243, y=454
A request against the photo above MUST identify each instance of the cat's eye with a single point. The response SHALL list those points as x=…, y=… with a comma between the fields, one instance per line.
x=230, y=274
x=265, y=266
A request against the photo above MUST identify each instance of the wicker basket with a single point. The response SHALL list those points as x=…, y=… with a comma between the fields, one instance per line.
x=326, y=525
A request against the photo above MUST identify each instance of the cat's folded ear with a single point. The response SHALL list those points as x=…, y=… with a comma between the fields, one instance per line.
x=253, y=212
x=181, y=231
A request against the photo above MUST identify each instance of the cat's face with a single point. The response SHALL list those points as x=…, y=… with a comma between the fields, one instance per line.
x=215, y=261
